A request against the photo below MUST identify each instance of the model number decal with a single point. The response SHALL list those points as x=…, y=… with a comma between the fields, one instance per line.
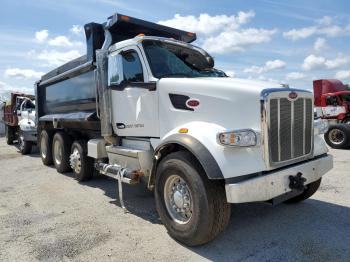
x=135, y=126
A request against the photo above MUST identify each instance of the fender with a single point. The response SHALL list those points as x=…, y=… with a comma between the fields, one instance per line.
x=203, y=155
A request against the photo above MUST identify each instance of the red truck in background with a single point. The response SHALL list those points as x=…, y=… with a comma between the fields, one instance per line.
x=332, y=102
x=19, y=120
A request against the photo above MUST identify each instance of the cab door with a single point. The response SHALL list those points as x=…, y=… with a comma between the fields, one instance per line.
x=134, y=96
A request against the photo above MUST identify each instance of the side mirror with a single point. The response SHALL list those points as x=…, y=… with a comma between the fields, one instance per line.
x=210, y=61
x=19, y=114
x=115, y=70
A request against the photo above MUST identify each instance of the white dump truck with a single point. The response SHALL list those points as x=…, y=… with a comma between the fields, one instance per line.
x=146, y=106
x=20, y=121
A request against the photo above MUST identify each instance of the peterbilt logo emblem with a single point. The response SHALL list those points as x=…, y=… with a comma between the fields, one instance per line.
x=293, y=95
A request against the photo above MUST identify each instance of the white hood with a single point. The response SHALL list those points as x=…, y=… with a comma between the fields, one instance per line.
x=231, y=103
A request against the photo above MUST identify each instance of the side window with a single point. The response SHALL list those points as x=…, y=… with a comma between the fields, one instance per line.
x=132, y=67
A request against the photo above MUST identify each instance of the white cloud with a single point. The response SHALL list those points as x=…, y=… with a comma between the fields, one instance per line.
x=206, y=24
x=56, y=58
x=345, y=74
x=295, y=76
x=23, y=73
x=41, y=36
x=324, y=27
x=320, y=44
x=60, y=41
x=326, y=20
x=76, y=29
x=296, y=34
x=312, y=62
x=268, y=79
x=269, y=66
x=233, y=41
x=222, y=34
x=337, y=62
x=6, y=89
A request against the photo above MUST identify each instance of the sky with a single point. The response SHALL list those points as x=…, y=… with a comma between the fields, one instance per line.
x=292, y=42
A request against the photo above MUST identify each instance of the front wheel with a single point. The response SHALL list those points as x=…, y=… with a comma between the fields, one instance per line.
x=25, y=147
x=10, y=134
x=338, y=136
x=192, y=207
x=81, y=164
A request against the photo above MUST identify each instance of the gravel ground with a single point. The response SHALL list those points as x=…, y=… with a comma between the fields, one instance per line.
x=47, y=216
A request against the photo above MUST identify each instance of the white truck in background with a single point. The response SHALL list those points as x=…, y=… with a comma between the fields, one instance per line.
x=146, y=106
x=20, y=121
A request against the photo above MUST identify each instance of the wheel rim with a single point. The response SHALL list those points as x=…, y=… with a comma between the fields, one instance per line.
x=336, y=136
x=58, y=152
x=178, y=199
x=43, y=147
x=75, y=161
x=21, y=141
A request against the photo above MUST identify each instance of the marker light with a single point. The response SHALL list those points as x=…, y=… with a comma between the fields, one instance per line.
x=183, y=130
x=244, y=137
x=125, y=18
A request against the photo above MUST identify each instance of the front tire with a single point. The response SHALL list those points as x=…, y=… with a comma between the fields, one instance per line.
x=338, y=136
x=25, y=147
x=10, y=134
x=192, y=207
x=81, y=164
x=61, y=145
x=307, y=193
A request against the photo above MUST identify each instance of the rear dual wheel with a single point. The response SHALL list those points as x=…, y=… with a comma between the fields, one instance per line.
x=61, y=144
x=45, y=146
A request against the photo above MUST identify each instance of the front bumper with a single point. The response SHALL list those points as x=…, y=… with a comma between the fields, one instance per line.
x=30, y=135
x=274, y=184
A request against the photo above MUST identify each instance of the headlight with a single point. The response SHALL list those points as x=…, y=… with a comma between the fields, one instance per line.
x=244, y=137
x=320, y=126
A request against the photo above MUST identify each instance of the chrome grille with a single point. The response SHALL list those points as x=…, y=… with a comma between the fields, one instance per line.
x=290, y=133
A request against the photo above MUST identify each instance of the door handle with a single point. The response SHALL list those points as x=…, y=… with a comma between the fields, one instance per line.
x=120, y=125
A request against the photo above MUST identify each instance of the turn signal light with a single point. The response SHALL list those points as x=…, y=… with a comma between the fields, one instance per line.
x=183, y=130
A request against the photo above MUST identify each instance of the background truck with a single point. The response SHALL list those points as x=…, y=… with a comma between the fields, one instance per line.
x=146, y=106
x=332, y=103
x=19, y=119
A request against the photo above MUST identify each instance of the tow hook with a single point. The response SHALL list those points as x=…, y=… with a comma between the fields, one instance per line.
x=297, y=182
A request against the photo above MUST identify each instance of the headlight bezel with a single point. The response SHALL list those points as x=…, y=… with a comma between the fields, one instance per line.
x=253, y=141
x=320, y=126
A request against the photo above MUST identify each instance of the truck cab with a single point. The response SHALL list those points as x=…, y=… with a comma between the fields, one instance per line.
x=147, y=106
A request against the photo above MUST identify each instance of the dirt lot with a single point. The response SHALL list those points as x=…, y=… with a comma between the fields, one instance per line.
x=51, y=217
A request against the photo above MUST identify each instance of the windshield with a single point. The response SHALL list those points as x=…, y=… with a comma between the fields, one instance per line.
x=171, y=60
x=346, y=98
